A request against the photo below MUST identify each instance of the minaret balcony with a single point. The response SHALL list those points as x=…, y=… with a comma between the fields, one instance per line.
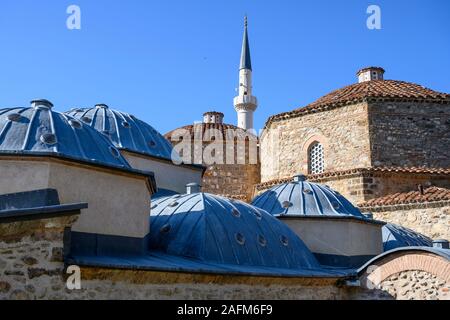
x=246, y=102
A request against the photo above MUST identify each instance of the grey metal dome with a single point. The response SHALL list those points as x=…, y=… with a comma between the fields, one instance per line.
x=124, y=130
x=303, y=198
x=395, y=236
x=213, y=229
x=39, y=130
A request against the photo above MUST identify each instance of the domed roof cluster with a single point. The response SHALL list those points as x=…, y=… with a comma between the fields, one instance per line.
x=39, y=130
x=395, y=236
x=213, y=229
x=124, y=130
x=303, y=198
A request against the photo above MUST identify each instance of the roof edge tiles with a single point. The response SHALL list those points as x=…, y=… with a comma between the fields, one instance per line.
x=369, y=91
x=430, y=194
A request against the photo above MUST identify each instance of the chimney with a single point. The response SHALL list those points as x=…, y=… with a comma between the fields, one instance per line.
x=41, y=104
x=192, y=188
x=299, y=178
x=370, y=74
x=213, y=117
x=421, y=189
x=441, y=244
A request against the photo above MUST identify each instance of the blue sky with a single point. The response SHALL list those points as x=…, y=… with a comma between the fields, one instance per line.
x=169, y=61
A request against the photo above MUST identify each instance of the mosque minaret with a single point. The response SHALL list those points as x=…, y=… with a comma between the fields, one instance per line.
x=245, y=103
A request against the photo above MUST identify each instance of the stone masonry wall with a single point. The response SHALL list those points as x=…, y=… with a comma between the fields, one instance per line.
x=31, y=259
x=236, y=179
x=410, y=134
x=431, y=219
x=416, y=285
x=344, y=133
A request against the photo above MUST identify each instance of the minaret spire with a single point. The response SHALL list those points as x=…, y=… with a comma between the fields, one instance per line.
x=246, y=62
x=245, y=103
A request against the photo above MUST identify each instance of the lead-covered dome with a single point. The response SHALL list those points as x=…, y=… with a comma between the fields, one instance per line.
x=39, y=130
x=125, y=131
x=395, y=236
x=214, y=229
x=303, y=198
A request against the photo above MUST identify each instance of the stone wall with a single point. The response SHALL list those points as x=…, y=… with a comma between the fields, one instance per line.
x=431, y=219
x=31, y=259
x=416, y=285
x=414, y=274
x=232, y=169
x=344, y=133
x=409, y=134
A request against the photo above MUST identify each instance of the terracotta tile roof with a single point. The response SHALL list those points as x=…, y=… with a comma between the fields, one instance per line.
x=209, y=129
x=358, y=92
x=431, y=194
x=329, y=174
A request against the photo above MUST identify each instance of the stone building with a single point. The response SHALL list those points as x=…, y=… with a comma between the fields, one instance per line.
x=368, y=140
x=229, y=153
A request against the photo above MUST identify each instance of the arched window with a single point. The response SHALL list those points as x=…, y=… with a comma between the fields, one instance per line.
x=315, y=158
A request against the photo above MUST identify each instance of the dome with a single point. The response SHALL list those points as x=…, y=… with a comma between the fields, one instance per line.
x=303, y=198
x=210, y=131
x=213, y=229
x=38, y=130
x=125, y=131
x=395, y=236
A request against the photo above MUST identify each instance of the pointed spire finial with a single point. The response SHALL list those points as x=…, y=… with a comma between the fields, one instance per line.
x=245, y=54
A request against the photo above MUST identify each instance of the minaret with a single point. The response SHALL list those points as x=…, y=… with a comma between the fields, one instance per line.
x=245, y=103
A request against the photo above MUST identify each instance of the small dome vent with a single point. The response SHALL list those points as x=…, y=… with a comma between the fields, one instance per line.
x=336, y=205
x=86, y=119
x=173, y=204
x=284, y=240
x=126, y=124
x=262, y=241
x=14, y=117
x=287, y=204
x=258, y=215
x=49, y=138
x=75, y=123
x=307, y=191
x=240, y=238
x=236, y=213
x=165, y=228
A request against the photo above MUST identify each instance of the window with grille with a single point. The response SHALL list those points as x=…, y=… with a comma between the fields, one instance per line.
x=315, y=158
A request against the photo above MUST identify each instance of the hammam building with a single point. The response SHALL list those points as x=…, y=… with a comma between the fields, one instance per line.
x=346, y=198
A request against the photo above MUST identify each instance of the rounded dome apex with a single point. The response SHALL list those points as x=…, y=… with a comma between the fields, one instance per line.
x=124, y=130
x=39, y=130
x=214, y=229
x=303, y=198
